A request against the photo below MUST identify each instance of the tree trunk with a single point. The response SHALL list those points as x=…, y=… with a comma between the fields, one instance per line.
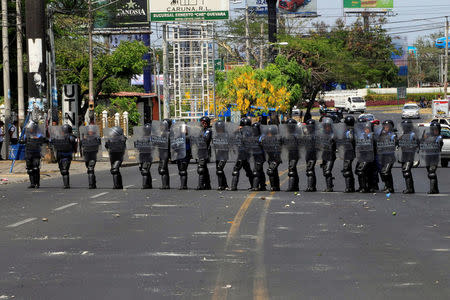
x=310, y=105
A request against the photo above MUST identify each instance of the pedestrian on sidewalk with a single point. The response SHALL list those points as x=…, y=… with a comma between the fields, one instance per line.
x=13, y=136
x=1, y=138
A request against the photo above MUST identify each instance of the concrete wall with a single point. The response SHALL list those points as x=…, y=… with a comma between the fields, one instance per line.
x=383, y=91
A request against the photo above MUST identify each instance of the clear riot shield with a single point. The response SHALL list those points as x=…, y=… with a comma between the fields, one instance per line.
x=59, y=140
x=325, y=140
x=386, y=144
x=364, y=142
x=251, y=142
x=271, y=142
x=198, y=144
x=90, y=138
x=178, y=133
x=160, y=140
x=116, y=142
x=310, y=145
x=240, y=143
x=142, y=144
x=34, y=135
x=222, y=143
x=408, y=143
x=345, y=140
x=430, y=149
x=291, y=138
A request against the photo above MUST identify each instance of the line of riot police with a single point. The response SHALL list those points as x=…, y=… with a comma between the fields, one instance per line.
x=375, y=148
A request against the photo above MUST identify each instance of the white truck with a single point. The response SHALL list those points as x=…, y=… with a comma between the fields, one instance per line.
x=351, y=104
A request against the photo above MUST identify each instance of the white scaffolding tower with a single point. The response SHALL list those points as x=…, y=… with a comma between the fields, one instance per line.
x=191, y=69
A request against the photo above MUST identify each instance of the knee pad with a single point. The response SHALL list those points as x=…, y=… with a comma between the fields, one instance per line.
x=201, y=170
x=255, y=173
x=182, y=173
x=29, y=171
x=292, y=173
x=407, y=174
x=310, y=173
x=219, y=172
x=162, y=171
x=327, y=173
x=90, y=170
x=432, y=175
x=347, y=173
x=64, y=172
x=235, y=173
x=114, y=171
x=270, y=172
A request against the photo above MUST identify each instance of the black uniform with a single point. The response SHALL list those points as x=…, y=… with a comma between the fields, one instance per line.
x=347, y=150
x=430, y=147
x=259, y=179
x=242, y=155
x=145, y=156
x=365, y=151
x=408, y=144
x=291, y=143
x=65, y=146
x=221, y=144
x=309, y=140
x=90, y=142
x=271, y=142
x=386, y=141
x=33, y=141
x=164, y=154
x=327, y=145
x=204, y=180
x=116, y=145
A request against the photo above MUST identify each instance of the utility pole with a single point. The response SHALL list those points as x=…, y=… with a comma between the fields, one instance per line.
x=365, y=16
x=272, y=20
x=446, y=59
x=91, y=67
x=261, y=48
x=165, y=74
x=20, y=92
x=6, y=80
x=247, y=35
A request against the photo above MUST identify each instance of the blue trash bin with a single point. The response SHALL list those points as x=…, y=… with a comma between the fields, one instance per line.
x=16, y=152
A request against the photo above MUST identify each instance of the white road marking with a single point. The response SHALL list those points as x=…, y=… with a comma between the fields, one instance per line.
x=99, y=195
x=210, y=233
x=441, y=250
x=21, y=222
x=174, y=254
x=406, y=284
x=291, y=213
x=128, y=186
x=56, y=253
x=164, y=205
x=65, y=206
x=105, y=202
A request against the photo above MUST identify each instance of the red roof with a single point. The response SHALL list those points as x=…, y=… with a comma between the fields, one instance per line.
x=133, y=94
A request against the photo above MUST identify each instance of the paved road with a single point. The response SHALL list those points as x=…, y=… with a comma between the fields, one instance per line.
x=159, y=244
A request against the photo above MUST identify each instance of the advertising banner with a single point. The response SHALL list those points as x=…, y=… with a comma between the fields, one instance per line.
x=70, y=100
x=186, y=10
x=307, y=8
x=440, y=108
x=368, y=5
x=122, y=15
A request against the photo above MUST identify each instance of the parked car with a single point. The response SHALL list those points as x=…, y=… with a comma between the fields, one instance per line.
x=411, y=110
x=292, y=5
x=442, y=121
x=445, y=153
x=369, y=118
x=335, y=114
x=351, y=104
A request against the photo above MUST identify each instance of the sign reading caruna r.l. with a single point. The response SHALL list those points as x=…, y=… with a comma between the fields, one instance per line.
x=173, y=10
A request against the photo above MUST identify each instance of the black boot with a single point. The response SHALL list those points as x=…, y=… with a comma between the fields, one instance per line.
x=362, y=184
x=222, y=180
x=434, y=186
x=32, y=184
x=66, y=181
x=165, y=179
x=146, y=182
x=349, y=185
x=293, y=185
x=274, y=184
x=311, y=184
x=183, y=181
x=329, y=182
x=256, y=184
x=37, y=179
x=92, y=181
x=117, y=180
x=409, y=186
x=235, y=181
x=250, y=180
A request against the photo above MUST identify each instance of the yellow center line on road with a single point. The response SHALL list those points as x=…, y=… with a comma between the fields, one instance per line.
x=219, y=291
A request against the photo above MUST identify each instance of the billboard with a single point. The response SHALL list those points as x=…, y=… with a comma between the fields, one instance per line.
x=186, y=10
x=368, y=5
x=122, y=15
x=296, y=7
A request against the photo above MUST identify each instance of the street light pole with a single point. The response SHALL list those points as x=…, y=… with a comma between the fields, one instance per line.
x=446, y=59
x=247, y=35
x=6, y=79
x=91, y=69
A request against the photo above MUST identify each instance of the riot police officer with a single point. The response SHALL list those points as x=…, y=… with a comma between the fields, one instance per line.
x=164, y=154
x=291, y=144
x=271, y=143
x=180, y=149
x=204, y=180
x=346, y=147
x=33, y=140
x=143, y=144
x=309, y=136
x=327, y=146
x=221, y=144
x=386, y=141
x=259, y=179
x=408, y=143
x=365, y=154
x=116, y=145
x=65, y=144
x=430, y=147
x=242, y=160
x=90, y=141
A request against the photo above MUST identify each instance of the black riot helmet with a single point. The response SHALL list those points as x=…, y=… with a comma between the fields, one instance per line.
x=407, y=126
x=245, y=122
x=435, y=128
x=220, y=126
x=116, y=131
x=66, y=129
x=256, y=129
x=311, y=122
x=165, y=124
x=148, y=129
x=349, y=121
x=205, y=120
x=291, y=125
x=291, y=121
x=272, y=130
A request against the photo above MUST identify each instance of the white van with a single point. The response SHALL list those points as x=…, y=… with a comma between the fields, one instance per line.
x=351, y=104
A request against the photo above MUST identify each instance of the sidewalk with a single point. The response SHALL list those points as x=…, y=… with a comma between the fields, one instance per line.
x=48, y=170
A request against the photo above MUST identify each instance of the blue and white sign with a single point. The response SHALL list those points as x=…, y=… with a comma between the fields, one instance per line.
x=306, y=8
